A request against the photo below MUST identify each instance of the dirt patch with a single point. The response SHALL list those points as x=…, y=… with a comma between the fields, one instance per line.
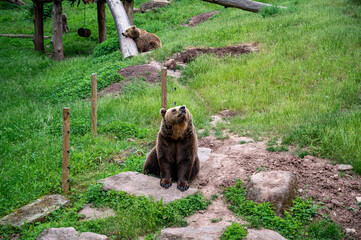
x=191, y=53
x=200, y=18
x=147, y=72
x=317, y=178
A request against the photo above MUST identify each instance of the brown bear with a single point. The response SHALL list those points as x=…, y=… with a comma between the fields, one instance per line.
x=145, y=41
x=175, y=156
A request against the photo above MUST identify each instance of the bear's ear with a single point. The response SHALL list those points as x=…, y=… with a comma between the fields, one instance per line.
x=162, y=112
x=133, y=27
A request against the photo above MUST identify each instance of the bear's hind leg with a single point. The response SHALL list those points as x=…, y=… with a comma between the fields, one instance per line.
x=151, y=165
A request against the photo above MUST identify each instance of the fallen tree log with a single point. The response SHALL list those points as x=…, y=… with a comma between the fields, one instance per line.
x=17, y=2
x=246, y=5
x=127, y=45
x=21, y=36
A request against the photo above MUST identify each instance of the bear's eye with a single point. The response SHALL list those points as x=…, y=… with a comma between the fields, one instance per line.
x=173, y=111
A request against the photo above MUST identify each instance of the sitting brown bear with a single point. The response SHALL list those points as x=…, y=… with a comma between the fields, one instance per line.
x=145, y=41
x=175, y=157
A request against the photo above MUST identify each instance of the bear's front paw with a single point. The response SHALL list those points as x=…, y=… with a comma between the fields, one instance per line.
x=183, y=186
x=166, y=183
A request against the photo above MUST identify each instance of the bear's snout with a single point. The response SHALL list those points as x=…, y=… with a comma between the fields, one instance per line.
x=183, y=108
x=123, y=34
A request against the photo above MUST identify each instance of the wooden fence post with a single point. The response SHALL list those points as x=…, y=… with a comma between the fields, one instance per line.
x=94, y=98
x=66, y=149
x=164, y=87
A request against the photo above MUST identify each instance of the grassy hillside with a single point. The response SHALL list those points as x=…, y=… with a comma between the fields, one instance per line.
x=302, y=86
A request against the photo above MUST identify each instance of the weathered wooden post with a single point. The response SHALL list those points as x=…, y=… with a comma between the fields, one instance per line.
x=129, y=6
x=38, y=25
x=164, y=87
x=101, y=21
x=57, y=40
x=94, y=98
x=66, y=149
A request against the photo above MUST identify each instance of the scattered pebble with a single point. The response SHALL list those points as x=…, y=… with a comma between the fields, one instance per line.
x=350, y=230
x=344, y=167
x=358, y=199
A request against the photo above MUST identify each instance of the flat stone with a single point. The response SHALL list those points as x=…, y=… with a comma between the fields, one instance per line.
x=358, y=199
x=36, y=211
x=68, y=233
x=95, y=213
x=277, y=187
x=350, y=230
x=263, y=234
x=152, y=5
x=144, y=185
x=190, y=233
x=203, y=153
x=344, y=167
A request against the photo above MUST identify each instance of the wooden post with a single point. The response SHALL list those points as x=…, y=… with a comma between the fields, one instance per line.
x=164, y=87
x=38, y=26
x=129, y=6
x=94, y=98
x=57, y=31
x=66, y=149
x=101, y=21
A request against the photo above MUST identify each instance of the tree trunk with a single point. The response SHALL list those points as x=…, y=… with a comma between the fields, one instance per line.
x=102, y=36
x=246, y=5
x=129, y=6
x=127, y=45
x=57, y=31
x=38, y=26
x=17, y=2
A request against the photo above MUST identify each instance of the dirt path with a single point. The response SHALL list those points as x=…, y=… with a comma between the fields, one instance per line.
x=317, y=178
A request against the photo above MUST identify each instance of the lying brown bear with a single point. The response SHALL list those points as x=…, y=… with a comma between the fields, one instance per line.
x=145, y=41
x=175, y=157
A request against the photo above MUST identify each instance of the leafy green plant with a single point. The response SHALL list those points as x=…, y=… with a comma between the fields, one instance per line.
x=234, y=232
x=108, y=46
x=280, y=148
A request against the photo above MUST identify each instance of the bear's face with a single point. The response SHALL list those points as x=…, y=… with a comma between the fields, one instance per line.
x=131, y=32
x=175, y=115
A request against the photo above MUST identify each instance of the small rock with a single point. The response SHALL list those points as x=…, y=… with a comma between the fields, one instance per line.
x=170, y=64
x=350, y=230
x=68, y=233
x=358, y=199
x=344, y=167
x=337, y=203
x=263, y=234
x=203, y=153
x=96, y=213
x=187, y=233
x=277, y=187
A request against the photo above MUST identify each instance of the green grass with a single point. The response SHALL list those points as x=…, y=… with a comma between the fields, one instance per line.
x=303, y=85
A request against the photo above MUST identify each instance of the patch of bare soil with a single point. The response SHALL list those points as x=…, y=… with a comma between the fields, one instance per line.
x=234, y=50
x=317, y=178
x=200, y=18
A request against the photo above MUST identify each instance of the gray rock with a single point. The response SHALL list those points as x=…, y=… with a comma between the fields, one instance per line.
x=94, y=213
x=36, y=211
x=358, y=199
x=203, y=153
x=68, y=233
x=344, y=167
x=152, y=5
x=277, y=187
x=350, y=230
x=190, y=233
x=170, y=64
x=263, y=234
x=144, y=185
x=92, y=236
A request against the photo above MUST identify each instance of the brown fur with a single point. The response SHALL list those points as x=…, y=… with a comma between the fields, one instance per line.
x=145, y=41
x=175, y=157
